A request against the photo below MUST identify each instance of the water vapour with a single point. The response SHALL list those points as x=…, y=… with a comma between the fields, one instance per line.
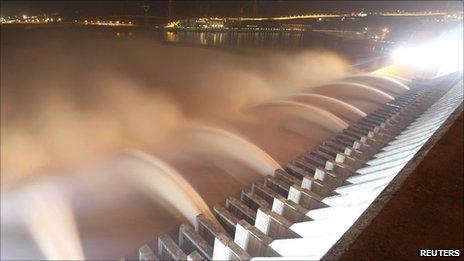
x=68, y=100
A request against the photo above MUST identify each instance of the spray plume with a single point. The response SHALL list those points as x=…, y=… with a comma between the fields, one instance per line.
x=219, y=140
x=308, y=113
x=337, y=107
x=49, y=218
x=159, y=179
x=106, y=95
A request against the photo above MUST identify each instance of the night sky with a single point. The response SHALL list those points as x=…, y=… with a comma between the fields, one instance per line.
x=212, y=8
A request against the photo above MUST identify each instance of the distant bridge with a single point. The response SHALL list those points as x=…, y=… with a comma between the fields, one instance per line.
x=283, y=18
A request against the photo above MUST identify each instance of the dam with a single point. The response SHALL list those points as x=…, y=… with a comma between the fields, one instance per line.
x=230, y=130
x=314, y=206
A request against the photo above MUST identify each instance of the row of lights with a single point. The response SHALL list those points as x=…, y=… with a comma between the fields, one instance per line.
x=30, y=20
x=334, y=15
x=107, y=23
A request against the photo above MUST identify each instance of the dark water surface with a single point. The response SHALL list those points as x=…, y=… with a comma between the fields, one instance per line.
x=355, y=50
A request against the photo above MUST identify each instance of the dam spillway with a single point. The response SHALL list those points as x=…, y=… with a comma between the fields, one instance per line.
x=315, y=206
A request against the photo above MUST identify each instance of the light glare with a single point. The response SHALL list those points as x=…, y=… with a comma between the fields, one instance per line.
x=444, y=54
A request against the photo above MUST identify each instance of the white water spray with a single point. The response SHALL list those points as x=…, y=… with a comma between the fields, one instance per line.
x=159, y=179
x=49, y=219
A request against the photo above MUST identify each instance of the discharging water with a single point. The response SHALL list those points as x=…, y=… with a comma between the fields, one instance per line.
x=111, y=93
x=337, y=107
x=49, y=218
x=215, y=141
x=164, y=183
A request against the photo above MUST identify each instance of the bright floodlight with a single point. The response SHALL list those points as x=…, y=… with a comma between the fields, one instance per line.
x=444, y=53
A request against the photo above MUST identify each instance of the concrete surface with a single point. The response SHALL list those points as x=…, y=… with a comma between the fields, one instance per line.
x=426, y=213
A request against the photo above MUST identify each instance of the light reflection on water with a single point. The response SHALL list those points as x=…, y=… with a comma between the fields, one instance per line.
x=282, y=40
x=237, y=39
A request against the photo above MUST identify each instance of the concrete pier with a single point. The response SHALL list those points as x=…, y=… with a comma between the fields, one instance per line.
x=253, y=241
x=147, y=254
x=190, y=241
x=226, y=249
x=208, y=229
x=194, y=256
x=226, y=219
x=273, y=224
x=169, y=250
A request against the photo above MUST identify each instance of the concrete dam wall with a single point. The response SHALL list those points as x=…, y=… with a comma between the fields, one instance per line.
x=314, y=206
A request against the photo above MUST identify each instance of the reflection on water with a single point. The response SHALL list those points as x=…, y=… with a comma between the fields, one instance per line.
x=295, y=40
x=237, y=39
x=172, y=37
x=355, y=50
